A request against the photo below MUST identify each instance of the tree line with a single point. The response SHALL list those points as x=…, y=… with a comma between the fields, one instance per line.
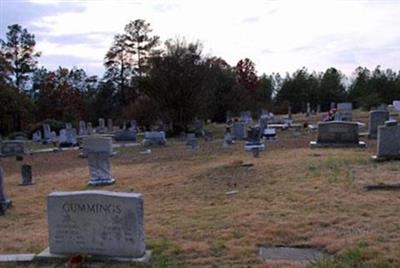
x=172, y=82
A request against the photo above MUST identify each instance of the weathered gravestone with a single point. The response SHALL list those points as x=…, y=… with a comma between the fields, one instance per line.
x=5, y=203
x=246, y=117
x=102, y=224
x=82, y=128
x=110, y=125
x=101, y=129
x=37, y=136
x=12, y=148
x=26, y=174
x=228, y=138
x=344, y=111
x=191, y=140
x=388, y=144
x=68, y=137
x=376, y=118
x=154, y=138
x=47, y=133
x=396, y=104
x=254, y=143
x=125, y=135
x=98, y=151
x=337, y=134
x=89, y=128
x=239, y=130
x=308, y=109
x=263, y=122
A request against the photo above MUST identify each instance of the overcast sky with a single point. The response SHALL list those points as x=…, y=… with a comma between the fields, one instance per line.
x=279, y=36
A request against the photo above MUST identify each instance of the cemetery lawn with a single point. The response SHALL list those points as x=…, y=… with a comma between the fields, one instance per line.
x=291, y=195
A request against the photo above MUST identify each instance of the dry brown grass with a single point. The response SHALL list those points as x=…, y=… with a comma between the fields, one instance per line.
x=290, y=196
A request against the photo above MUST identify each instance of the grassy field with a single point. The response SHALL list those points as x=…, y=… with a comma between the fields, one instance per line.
x=291, y=195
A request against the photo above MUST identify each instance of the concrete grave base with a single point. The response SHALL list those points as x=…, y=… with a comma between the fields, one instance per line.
x=314, y=145
x=384, y=158
x=17, y=257
x=98, y=182
x=45, y=255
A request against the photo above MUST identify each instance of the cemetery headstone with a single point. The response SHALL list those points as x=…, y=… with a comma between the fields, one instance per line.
x=376, y=118
x=101, y=129
x=82, y=128
x=96, y=223
x=37, y=136
x=5, y=203
x=110, y=125
x=125, y=135
x=254, y=143
x=191, y=140
x=12, y=148
x=290, y=112
x=344, y=111
x=246, y=117
x=337, y=134
x=239, y=130
x=396, y=104
x=47, y=133
x=199, y=128
x=388, y=144
x=263, y=122
x=98, y=151
x=228, y=138
x=308, y=109
x=89, y=128
x=333, y=105
x=26, y=172
x=154, y=138
x=318, y=108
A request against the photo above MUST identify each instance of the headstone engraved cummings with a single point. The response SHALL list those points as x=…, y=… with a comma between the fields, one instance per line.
x=99, y=223
x=99, y=150
x=376, y=118
x=337, y=134
x=388, y=145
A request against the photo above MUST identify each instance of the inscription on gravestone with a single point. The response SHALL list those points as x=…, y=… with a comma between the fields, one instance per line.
x=99, y=223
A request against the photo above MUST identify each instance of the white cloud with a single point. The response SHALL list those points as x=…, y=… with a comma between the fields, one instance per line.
x=315, y=34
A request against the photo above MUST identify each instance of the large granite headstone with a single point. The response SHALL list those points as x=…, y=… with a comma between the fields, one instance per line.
x=376, y=118
x=99, y=223
x=98, y=151
x=337, y=134
x=388, y=144
x=239, y=130
x=12, y=148
x=125, y=135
